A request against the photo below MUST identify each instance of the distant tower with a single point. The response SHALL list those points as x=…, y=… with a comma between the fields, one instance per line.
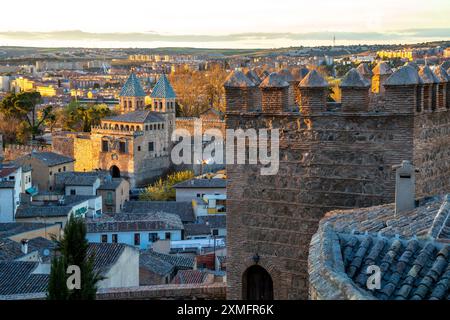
x=132, y=96
x=164, y=101
x=334, y=40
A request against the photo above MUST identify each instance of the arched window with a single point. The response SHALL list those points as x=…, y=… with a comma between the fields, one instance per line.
x=132, y=128
x=127, y=127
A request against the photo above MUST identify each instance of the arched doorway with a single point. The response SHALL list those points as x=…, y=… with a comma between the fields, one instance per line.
x=257, y=284
x=115, y=172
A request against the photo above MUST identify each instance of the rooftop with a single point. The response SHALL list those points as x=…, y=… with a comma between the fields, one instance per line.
x=183, y=209
x=155, y=264
x=237, y=79
x=189, y=277
x=364, y=69
x=17, y=277
x=382, y=68
x=202, y=183
x=406, y=75
x=105, y=255
x=139, y=116
x=313, y=80
x=50, y=159
x=132, y=87
x=354, y=79
x=179, y=261
x=274, y=80
x=163, y=89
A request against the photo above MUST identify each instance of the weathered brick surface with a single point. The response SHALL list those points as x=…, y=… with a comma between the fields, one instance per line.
x=328, y=160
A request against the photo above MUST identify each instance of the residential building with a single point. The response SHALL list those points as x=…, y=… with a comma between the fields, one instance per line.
x=115, y=193
x=197, y=188
x=138, y=230
x=45, y=165
x=10, y=190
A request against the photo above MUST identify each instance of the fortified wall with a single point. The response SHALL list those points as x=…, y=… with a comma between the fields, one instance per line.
x=15, y=151
x=331, y=157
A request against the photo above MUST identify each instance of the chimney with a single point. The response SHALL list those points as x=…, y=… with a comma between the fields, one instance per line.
x=405, y=187
x=24, y=247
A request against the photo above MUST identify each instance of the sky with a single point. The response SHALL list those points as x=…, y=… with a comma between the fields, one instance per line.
x=224, y=24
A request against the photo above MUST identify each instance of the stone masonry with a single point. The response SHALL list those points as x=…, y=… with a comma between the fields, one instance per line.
x=329, y=160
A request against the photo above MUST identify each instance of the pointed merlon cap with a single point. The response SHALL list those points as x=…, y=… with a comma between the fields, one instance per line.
x=287, y=75
x=354, y=79
x=253, y=76
x=441, y=74
x=274, y=80
x=382, y=69
x=413, y=64
x=404, y=76
x=446, y=65
x=299, y=73
x=313, y=80
x=364, y=70
x=132, y=88
x=427, y=75
x=264, y=74
x=237, y=79
x=163, y=89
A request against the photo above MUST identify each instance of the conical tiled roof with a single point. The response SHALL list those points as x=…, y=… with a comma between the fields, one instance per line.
x=237, y=79
x=299, y=73
x=274, y=80
x=163, y=89
x=253, y=76
x=427, y=75
x=382, y=69
x=446, y=65
x=354, y=79
x=313, y=80
x=413, y=64
x=364, y=69
x=406, y=75
x=132, y=88
x=441, y=74
x=287, y=75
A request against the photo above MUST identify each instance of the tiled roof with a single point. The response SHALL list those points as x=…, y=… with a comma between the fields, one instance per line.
x=274, y=80
x=135, y=222
x=16, y=278
x=427, y=75
x=105, y=255
x=113, y=184
x=382, y=69
x=441, y=74
x=9, y=250
x=50, y=159
x=179, y=261
x=196, y=229
x=364, y=69
x=406, y=75
x=14, y=228
x=410, y=248
x=313, y=80
x=253, y=76
x=202, y=183
x=139, y=116
x=163, y=89
x=155, y=264
x=354, y=79
x=287, y=75
x=299, y=73
x=5, y=172
x=132, y=87
x=189, y=277
x=183, y=209
x=81, y=180
x=215, y=222
x=237, y=79
x=31, y=211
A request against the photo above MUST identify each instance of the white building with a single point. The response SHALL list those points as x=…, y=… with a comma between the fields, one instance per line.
x=138, y=230
x=197, y=188
x=10, y=189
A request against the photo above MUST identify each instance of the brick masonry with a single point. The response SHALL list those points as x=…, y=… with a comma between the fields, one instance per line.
x=328, y=160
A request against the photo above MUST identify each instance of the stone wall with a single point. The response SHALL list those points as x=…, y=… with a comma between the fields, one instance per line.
x=188, y=124
x=328, y=160
x=15, y=151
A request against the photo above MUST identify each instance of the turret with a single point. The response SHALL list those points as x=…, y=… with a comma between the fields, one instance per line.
x=132, y=96
x=287, y=76
x=442, y=92
x=253, y=76
x=274, y=94
x=430, y=83
x=401, y=91
x=163, y=96
x=365, y=71
x=380, y=74
x=240, y=93
x=355, y=92
x=299, y=74
x=313, y=93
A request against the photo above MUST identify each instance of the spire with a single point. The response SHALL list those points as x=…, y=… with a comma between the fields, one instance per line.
x=132, y=88
x=163, y=89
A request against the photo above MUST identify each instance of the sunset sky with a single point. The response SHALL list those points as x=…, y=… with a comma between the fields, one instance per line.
x=230, y=23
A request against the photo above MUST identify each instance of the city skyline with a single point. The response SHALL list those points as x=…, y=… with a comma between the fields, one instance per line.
x=236, y=25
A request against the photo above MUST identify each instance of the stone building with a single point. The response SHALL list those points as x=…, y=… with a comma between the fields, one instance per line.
x=336, y=156
x=135, y=144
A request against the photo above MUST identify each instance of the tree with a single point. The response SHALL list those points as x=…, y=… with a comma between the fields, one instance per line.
x=163, y=190
x=57, y=287
x=23, y=107
x=78, y=117
x=73, y=250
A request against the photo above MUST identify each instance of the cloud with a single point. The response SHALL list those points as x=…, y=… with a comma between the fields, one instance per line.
x=150, y=36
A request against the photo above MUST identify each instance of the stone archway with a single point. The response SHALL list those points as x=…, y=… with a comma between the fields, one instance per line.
x=257, y=284
x=114, y=171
